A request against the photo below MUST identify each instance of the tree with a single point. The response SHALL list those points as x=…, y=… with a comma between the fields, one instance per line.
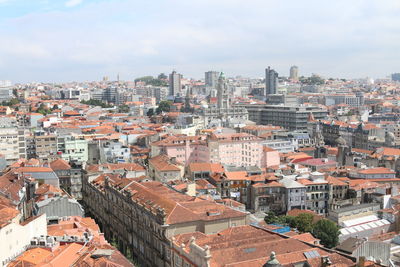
x=162, y=76
x=163, y=106
x=150, y=112
x=43, y=110
x=303, y=222
x=328, y=232
x=12, y=102
x=93, y=102
x=55, y=107
x=123, y=109
x=270, y=217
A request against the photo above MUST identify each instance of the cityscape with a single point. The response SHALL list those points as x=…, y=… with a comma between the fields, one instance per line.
x=197, y=161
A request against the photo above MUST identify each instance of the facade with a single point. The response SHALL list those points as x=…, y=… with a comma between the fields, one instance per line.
x=175, y=85
x=267, y=197
x=317, y=195
x=291, y=118
x=114, y=152
x=142, y=217
x=271, y=81
x=238, y=149
x=17, y=235
x=45, y=146
x=12, y=144
x=72, y=148
x=296, y=194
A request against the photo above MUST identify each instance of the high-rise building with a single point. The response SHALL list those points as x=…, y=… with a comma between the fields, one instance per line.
x=175, y=85
x=271, y=81
x=396, y=77
x=211, y=78
x=294, y=73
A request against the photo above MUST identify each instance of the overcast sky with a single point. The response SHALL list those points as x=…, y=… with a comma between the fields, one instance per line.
x=79, y=40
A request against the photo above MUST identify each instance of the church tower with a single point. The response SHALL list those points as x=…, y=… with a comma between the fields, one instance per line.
x=222, y=93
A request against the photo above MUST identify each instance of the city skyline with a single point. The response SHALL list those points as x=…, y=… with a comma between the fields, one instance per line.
x=78, y=40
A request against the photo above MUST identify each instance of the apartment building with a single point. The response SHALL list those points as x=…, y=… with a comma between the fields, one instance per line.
x=237, y=149
x=143, y=216
x=71, y=148
x=12, y=144
x=291, y=118
x=318, y=192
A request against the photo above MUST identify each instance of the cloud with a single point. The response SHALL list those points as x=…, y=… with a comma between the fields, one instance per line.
x=72, y=3
x=239, y=37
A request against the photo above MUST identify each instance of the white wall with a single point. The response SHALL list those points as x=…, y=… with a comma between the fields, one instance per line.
x=14, y=237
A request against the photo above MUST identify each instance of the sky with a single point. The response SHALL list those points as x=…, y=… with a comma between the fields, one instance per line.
x=84, y=40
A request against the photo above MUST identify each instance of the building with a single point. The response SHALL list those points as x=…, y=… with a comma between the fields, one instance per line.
x=72, y=148
x=291, y=118
x=294, y=73
x=295, y=194
x=271, y=82
x=267, y=197
x=175, y=85
x=44, y=146
x=165, y=169
x=143, y=216
x=12, y=144
x=251, y=246
x=211, y=79
x=15, y=233
x=396, y=77
x=223, y=112
x=239, y=149
x=70, y=177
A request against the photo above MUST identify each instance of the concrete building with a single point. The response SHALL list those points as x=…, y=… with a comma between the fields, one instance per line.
x=294, y=73
x=211, y=79
x=295, y=195
x=175, y=85
x=72, y=148
x=291, y=118
x=44, y=146
x=12, y=144
x=165, y=169
x=15, y=233
x=271, y=81
x=142, y=217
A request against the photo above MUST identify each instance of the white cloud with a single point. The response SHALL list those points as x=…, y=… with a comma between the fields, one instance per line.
x=72, y=3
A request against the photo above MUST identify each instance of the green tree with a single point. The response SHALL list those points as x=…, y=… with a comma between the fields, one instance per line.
x=123, y=109
x=55, y=107
x=163, y=106
x=15, y=92
x=303, y=222
x=11, y=102
x=270, y=217
x=43, y=110
x=150, y=112
x=328, y=232
x=162, y=76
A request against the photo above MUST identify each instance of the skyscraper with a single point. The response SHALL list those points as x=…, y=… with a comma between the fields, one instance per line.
x=271, y=81
x=175, y=85
x=211, y=78
x=294, y=73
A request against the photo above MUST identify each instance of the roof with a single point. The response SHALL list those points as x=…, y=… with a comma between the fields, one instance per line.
x=60, y=164
x=378, y=170
x=163, y=163
x=249, y=246
x=206, y=167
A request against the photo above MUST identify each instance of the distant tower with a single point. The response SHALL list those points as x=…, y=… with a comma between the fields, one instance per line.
x=271, y=81
x=294, y=73
x=222, y=92
x=343, y=149
x=211, y=78
x=175, y=85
